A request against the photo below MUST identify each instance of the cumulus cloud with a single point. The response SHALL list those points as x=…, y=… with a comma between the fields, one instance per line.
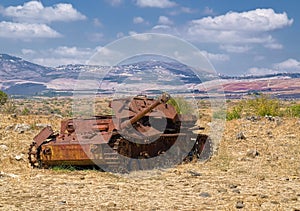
x=163, y=20
x=288, y=65
x=61, y=55
x=26, y=30
x=233, y=27
x=235, y=48
x=35, y=12
x=137, y=20
x=261, y=71
x=215, y=57
x=155, y=3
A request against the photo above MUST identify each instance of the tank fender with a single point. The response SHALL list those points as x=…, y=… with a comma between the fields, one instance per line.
x=43, y=135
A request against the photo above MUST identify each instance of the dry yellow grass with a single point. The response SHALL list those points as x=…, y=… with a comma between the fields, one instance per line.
x=233, y=177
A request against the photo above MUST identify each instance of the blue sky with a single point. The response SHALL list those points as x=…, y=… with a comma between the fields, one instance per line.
x=238, y=37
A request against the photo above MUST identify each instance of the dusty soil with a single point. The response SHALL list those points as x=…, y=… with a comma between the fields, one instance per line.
x=261, y=172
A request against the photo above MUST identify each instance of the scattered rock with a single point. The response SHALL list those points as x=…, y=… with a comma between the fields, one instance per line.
x=240, y=205
x=111, y=204
x=14, y=115
x=232, y=186
x=193, y=173
x=9, y=127
x=19, y=157
x=204, y=195
x=3, y=174
x=262, y=196
x=252, y=153
x=253, y=118
x=63, y=202
x=270, y=134
x=4, y=147
x=241, y=136
x=222, y=190
x=270, y=118
x=235, y=190
x=41, y=126
x=21, y=128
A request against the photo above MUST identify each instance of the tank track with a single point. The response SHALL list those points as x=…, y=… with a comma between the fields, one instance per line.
x=202, y=151
x=34, y=154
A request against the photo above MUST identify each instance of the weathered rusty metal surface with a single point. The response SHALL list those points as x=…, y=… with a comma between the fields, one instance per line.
x=101, y=139
x=43, y=135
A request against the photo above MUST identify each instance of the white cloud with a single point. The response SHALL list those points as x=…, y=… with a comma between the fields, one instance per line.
x=70, y=51
x=215, y=57
x=288, y=65
x=96, y=37
x=235, y=48
x=233, y=27
x=97, y=22
x=114, y=3
x=275, y=46
x=208, y=11
x=35, y=12
x=61, y=55
x=26, y=31
x=120, y=35
x=163, y=20
x=185, y=10
x=254, y=20
x=155, y=3
x=138, y=20
x=28, y=51
x=261, y=71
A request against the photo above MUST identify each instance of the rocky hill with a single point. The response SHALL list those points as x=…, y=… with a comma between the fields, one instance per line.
x=22, y=78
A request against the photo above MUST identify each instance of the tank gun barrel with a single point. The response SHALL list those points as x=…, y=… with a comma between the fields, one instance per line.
x=164, y=98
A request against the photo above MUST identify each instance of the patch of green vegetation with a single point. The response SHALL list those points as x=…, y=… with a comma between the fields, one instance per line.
x=293, y=111
x=235, y=113
x=25, y=111
x=260, y=105
x=63, y=167
x=263, y=105
x=3, y=98
x=181, y=105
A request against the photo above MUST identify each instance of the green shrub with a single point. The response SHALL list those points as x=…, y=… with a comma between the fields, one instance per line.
x=235, y=113
x=293, y=111
x=25, y=111
x=181, y=105
x=262, y=105
x=3, y=98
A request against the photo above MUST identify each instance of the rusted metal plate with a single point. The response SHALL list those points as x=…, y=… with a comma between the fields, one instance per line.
x=71, y=154
x=43, y=135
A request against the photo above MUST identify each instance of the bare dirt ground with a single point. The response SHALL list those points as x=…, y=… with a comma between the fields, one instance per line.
x=261, y=172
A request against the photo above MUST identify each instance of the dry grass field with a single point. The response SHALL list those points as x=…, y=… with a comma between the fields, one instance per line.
x=260, y=172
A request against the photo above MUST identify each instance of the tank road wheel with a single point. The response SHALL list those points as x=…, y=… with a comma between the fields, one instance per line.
x=204, y=150
x=34, y=155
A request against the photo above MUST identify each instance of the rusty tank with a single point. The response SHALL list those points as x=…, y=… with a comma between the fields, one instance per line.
x=143, y=133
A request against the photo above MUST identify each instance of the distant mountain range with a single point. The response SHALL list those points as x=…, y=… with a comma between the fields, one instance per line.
x=19, y=77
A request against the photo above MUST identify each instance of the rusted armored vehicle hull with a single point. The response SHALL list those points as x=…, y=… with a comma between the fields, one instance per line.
x=141, y=130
